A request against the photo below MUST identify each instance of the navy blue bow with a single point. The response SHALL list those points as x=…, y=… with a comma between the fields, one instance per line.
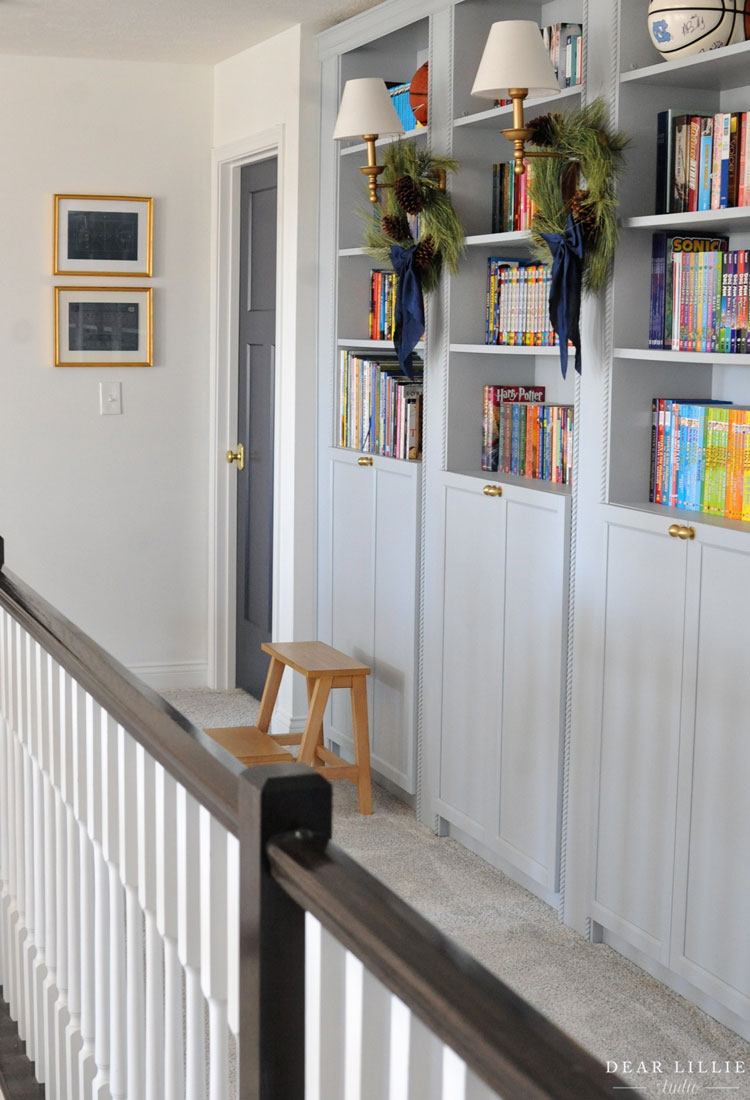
x=409, y=320
x=565, y=289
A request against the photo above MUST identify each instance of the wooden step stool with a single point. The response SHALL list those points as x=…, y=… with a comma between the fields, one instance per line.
x=324, y=668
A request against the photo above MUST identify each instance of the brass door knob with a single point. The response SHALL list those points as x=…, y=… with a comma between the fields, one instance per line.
x=364, y=460
x=680, y=531
x=493, y=490
x=237, y=456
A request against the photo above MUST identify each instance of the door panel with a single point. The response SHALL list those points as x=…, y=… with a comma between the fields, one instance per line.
x=711, y=942
x=352, y=571
x=472, y=655
x=529, y=780
x=644, y=627
x=256, y=388
x=394, y=647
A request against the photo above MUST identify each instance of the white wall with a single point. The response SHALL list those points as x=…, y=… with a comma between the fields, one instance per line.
x=107, y=516
x=274, y=86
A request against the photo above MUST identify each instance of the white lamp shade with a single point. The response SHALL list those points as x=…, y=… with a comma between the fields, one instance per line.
x=366, y=108
x=514, y=57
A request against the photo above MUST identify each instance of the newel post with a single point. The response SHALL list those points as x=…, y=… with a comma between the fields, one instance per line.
x=277, y=798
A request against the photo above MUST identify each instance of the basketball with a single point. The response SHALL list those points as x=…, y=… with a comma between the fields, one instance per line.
x=418, y=94
x=678, y=30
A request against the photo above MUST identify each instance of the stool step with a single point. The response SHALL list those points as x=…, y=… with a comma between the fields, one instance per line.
x=315, y=659
x=250, y=745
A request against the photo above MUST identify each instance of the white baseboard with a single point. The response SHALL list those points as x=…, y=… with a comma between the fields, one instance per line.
x=184, y=674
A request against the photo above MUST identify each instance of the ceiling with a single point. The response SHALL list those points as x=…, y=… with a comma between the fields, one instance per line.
x=189, y=31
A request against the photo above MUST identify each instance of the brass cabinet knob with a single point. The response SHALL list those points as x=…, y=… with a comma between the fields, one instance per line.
x=365, y=460
x=680, y=531
x=493, y=490
x=237, y=456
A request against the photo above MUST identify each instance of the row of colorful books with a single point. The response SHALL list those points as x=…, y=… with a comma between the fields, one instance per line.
x=380, y=409
x=399, y=94
x=699, y=295
x=512, y=208
x=517, y=311
x=700, y=456
x=702, y=161
x=522, y=435
x=564, y=42
x=382, y=304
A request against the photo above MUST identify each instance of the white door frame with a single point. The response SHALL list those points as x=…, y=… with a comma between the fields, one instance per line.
x=227, y=161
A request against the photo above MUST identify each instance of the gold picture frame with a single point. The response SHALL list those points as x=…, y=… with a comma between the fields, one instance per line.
x=103, y=235
x=99, y=326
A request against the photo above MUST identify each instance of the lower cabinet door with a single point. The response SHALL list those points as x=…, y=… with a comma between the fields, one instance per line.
x=502, y=671
x=372, y=589
x=710, y=930
x=640, y=729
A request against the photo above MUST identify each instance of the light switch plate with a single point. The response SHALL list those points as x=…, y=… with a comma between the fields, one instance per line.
x=110, y=398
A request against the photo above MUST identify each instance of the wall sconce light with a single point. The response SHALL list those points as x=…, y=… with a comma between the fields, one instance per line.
x=366, y=111
x=515, y=64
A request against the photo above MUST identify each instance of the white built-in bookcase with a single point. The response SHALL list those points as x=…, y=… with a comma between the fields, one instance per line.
x=558, y=682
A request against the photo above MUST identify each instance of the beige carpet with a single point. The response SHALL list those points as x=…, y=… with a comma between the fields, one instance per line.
x=605, y=1002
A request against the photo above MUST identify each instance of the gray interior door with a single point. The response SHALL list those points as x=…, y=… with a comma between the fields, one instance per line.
x=257, y=328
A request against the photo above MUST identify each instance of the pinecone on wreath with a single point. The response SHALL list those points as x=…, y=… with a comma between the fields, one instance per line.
x=395, y=227
x=408, y=195
x=584, y=213
x=542, y=129
x=424, y=253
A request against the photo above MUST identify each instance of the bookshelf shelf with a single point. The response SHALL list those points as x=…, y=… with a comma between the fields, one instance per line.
x=385, y=346
x=685, y=515
x=687, y=357
x=503, y=114
x=521, y=237
x=345, y=253
x=535, y=484
x=733, y=218
x=715, y=70
x=502, y=349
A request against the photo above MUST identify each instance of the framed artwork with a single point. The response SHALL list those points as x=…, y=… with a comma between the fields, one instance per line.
x=102, y=235
x=103, y=326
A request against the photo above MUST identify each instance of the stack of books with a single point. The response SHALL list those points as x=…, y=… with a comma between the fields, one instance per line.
x=382, y=304
x=699, y=294
x=380, y=409
x=517, y=311
x=512, y=208
x=700, y=456
x=524, y=436
x=399, y=94
x=702, y=161
x=564, y=42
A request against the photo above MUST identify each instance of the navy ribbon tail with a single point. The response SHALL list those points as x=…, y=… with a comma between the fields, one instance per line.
x=565, y=289
x=409, y=319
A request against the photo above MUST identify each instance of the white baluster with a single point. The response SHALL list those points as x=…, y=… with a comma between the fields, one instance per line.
x=128, y=836
x=425, y=1062
x=28, y=953
x=454, y=1076
x=376, y=1027
x=15, y=877
x=64, y=856
x=111, y=1054
x=3, y=796
x=398, y=1088
x=93, y=903
x=167, y=924
x=39, y=966
x=78, y=895
x=233, y=933
x=154, y=1051
x=189, y=942
x=51, y=759
x=98, y=794
x=333, y=1014
x=213, y=877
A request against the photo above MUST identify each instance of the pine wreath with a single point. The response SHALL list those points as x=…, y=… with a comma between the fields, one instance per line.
x=415, y=199
x=592, y=153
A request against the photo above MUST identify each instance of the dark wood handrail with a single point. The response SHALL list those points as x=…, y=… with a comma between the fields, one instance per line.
x=502, y=1038
x=206, y=770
